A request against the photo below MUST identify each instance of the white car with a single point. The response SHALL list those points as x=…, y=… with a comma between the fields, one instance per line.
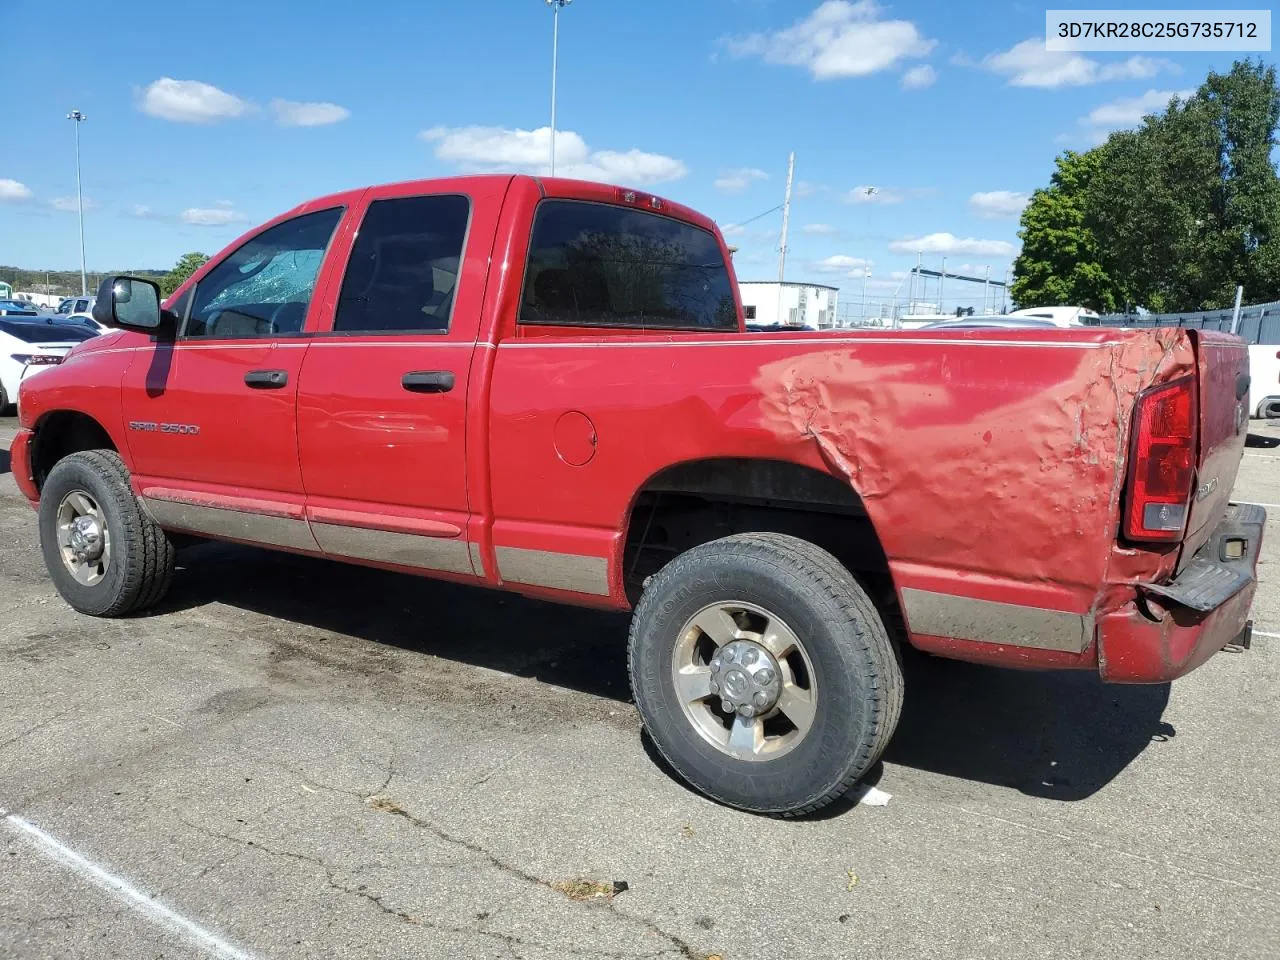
x=29, y=345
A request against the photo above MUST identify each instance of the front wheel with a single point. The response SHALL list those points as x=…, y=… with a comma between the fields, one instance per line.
x=105, y=555
x=764, y=673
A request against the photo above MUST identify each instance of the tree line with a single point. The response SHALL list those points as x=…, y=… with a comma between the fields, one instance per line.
x=67, y=282
x=1170, y=216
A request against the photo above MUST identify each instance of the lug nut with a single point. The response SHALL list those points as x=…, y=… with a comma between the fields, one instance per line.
x=764, y=677
x=726, y=706
x=745, y=710
x=715, y=687
x=750, y=656
x=761, y=698
x=715, y=662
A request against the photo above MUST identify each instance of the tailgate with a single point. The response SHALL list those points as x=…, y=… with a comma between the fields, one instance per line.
x=1223, y=366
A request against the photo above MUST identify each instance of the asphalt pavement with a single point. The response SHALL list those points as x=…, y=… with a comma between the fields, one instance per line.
x=295, y=758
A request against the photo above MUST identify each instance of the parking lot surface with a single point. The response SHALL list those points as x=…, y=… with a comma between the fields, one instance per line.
x=295, y=758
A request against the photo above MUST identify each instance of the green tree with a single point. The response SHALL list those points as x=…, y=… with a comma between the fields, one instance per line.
x=1060, y=262
x=185, y=267
x=1170, y=216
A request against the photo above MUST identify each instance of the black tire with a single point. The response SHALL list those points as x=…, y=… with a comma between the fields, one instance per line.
x=142, y=557
x=4, y=402
x=856, y=670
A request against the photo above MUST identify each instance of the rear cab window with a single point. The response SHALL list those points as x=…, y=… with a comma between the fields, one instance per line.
x=595, y=264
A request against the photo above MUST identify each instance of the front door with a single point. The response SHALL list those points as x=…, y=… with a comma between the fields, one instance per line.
x=211, y=416
x=382, y=400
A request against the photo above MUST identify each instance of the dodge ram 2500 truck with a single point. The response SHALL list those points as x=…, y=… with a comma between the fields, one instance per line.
x=546, y=386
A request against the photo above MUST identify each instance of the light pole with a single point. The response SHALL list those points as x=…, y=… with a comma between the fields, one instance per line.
x=80, y=118
x=556, y=6
x=866, y=272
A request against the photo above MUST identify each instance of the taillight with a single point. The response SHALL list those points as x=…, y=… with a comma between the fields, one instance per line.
x=1163, y=462
x=37, y=359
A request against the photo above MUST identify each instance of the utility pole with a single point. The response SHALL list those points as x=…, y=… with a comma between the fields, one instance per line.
x=80, y=118
x=866, y=272
x=786, y=218
x=556, y=6
x=986, y=286
x=942, y=279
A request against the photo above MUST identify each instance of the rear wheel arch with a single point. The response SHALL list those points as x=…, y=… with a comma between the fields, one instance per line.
x=693, y=502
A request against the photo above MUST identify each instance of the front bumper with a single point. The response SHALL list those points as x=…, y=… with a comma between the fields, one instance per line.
x=20, y=464
x=1170, y=629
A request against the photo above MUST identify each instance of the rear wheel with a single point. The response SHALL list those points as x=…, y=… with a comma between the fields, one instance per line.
x=764, y=673
x=4, y=402
x=105, y=555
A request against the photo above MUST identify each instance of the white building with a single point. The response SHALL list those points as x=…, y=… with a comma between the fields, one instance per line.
x=810, y=305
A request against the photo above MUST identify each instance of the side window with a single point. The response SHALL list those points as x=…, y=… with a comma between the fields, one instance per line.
x=749, y=311
x=594, y=264
x=403, y=271
x=264, y=287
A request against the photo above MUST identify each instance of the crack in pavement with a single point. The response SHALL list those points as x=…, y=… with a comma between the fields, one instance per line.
x=509, y=941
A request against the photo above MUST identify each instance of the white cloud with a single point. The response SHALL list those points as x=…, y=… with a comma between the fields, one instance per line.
x=529, y=151
x=806, y=189
x=13, y=191
x=1119, y=114
x=947, y=244
x=819, y=229
x=1029, y=64
x=190, y=101
x=1129, y=111
x=839, y=39
x=142, y=212
x=917, y=78
x=841, y=263
x=733, y=229
x=292, y=113
x=69, y=204
x=211, y=216
x=998, y=204
x=737, y=180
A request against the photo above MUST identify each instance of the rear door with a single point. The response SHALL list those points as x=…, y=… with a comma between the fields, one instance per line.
x=1223, y=367
x=382, y=398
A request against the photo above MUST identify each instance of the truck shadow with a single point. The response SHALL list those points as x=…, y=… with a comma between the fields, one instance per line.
x=1060, y=734
x=4, y=461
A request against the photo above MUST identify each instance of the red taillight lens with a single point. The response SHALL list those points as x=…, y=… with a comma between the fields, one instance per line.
x=1163, y=465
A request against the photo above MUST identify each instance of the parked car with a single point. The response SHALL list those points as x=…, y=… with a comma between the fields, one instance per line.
x=17, y=308
x=29, y=344
x=545, y=386
x=82, y=305
x=1061, y=316
x=989, y=323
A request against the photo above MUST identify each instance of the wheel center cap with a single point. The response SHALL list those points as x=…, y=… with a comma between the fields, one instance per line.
x=86, y=538
x=746, y=677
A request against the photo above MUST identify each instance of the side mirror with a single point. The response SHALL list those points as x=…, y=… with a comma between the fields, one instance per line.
x=131, y=303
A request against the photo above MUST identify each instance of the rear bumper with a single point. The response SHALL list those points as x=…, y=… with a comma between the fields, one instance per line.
x=20, y=464
x=1170, y=629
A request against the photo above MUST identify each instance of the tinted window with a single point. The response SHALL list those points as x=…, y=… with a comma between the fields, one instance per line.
x=403, y=272
x=46, y=332
x=599, y=265
x=264, y=288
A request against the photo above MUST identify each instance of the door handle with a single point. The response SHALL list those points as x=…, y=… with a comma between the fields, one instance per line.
x=266, y=379
x=428, y=381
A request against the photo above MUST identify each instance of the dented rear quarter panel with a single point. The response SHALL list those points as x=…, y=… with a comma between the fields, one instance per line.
x=991, y=463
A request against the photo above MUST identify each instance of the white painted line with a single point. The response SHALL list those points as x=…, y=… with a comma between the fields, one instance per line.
x=1264, y=633
x=1260, y=456
x=123, y=890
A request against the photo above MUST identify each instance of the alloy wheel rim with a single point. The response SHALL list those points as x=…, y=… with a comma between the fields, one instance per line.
x=84, y=542
x=744, y=680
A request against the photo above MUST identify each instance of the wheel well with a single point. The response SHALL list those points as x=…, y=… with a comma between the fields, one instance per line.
x=693, y=503
x=62, y=433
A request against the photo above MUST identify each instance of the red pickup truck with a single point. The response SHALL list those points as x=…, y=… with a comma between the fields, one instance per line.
x=546, y=386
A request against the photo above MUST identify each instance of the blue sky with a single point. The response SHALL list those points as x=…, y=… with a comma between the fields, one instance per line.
x=205, y=119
